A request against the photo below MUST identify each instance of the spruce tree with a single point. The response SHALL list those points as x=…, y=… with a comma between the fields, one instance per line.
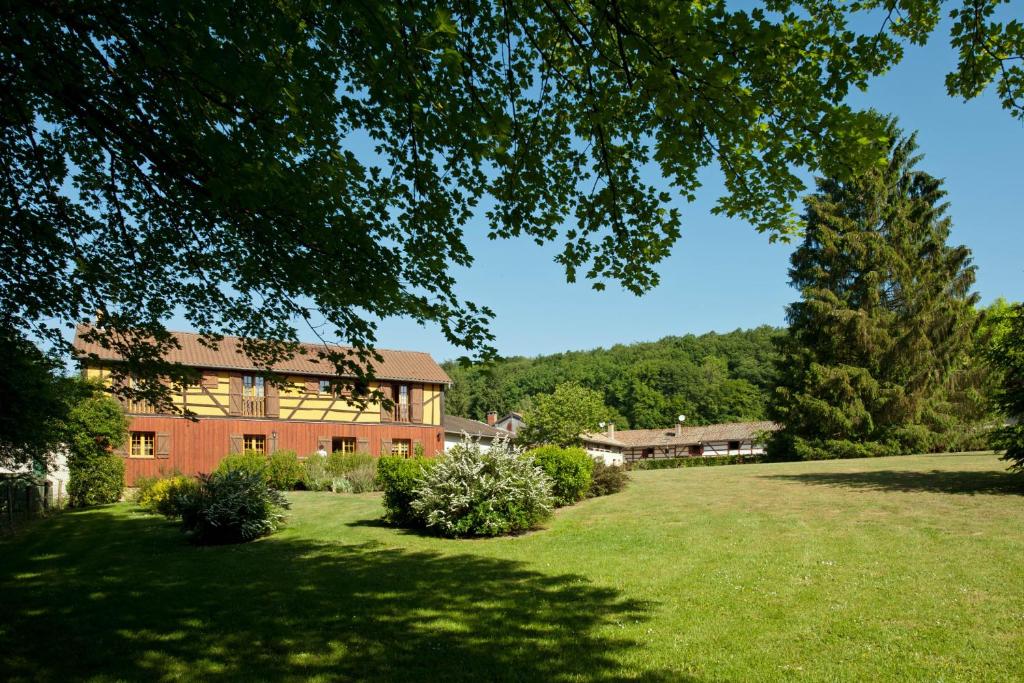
x=885, y=318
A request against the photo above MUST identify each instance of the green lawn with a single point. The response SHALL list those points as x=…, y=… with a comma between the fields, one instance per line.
x=886, y=569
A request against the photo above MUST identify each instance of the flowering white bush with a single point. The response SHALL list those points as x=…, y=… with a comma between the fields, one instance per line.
x=477, y=493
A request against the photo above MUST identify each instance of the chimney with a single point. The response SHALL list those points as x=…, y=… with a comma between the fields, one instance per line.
x=679, y=426
x=611, y=430
x=492, y=417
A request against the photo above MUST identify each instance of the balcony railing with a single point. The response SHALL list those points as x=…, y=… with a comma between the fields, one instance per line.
x=140, y=407
x=254, y=406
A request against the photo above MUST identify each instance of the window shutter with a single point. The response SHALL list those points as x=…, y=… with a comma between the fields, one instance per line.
x=123, y=449
x=363, y=445
x=235, y=395
x=211, y=380
x=385, y=447
x=163, y=445
x=235, y=443
x=312, y=386
x=324, y=442
x=416, y=401
x=386, y=413
x=272, y=443
x=272, y=402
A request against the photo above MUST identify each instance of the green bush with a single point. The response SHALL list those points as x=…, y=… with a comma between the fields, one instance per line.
x=339, y=464
x=232, y=506
x=570, y=470
x=607, y=479
x=362, y=479
x=168, y=497
x=693, y=461
x=96, y=479
x=247, y=461
x=142, y=487
x=284, y=471
x=315, y=476
x=398, y=477
x=483, y=493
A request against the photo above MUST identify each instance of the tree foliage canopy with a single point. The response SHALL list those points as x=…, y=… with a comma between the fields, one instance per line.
x=886, y=317
x=709, y=378
x=1007, y=356
x=560, y=417
x=257, y=167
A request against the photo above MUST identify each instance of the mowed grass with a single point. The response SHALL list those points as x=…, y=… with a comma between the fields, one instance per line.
x=866, y=570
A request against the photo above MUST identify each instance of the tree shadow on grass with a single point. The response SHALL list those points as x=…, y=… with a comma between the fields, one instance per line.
x=115, y=596
x=936, y=481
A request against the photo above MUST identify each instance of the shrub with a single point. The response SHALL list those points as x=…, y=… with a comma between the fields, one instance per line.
x=693, y=461
x=315, y=476
x=168, y=497
x=339, y=464
x=142, y=487
x=570, y=470
x=397, y=477
x=476, y=493
x=284, y=471
x=233, y=506
x=96, y=479
x=362, y=479
x=247, y=461
x=607, y=479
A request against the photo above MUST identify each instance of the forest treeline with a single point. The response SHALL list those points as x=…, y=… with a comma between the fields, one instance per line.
x=709, y=378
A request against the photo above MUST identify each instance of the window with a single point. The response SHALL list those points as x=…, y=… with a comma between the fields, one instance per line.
x=401, y=447
x=325, y=387
x=255, y=442
x=647, y=453
x=143, y=445
x=343, y=444
x=696, y=450
x=403, y=402
x=252, y=385
x=734, y=445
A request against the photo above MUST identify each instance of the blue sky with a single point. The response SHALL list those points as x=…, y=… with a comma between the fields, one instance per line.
x=723, y=275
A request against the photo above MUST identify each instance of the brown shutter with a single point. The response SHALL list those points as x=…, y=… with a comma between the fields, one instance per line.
x=416, y=400
x=386, y=413
x=163, y=445
x=272, y=400
x=385, y=447
x=323, y=442
x=211, y=380
x=235, y=395
x=235, y=443
x=312, y=386
x=363, y=445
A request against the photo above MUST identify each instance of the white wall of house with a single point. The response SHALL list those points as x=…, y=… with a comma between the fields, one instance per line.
x=57, y=475
x=605, y=456
x=722, y=448
x=453, y=439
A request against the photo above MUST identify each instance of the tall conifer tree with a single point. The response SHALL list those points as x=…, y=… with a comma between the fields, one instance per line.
x=885, y=318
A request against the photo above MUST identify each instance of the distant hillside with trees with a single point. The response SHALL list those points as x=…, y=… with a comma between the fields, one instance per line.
x=709, y=378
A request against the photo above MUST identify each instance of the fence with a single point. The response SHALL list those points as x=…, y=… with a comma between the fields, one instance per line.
x=23, y=497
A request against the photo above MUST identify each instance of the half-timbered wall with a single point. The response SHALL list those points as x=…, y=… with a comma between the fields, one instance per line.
x=299, y=399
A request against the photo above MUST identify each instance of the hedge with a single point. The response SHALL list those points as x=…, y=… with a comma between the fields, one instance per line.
x=693, y=461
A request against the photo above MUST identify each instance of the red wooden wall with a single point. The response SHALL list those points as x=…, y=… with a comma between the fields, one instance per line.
x=198, y=446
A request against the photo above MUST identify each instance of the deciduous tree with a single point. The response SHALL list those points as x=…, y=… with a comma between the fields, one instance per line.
x=259, y=167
